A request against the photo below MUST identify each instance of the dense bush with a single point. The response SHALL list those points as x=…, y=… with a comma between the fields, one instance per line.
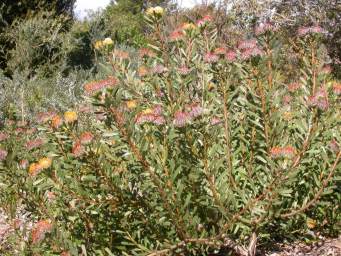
x=194, y=148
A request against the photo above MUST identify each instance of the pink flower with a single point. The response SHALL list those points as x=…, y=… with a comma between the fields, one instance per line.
x=263, y=28
x=303, y=31
x=195, y=110
x=3, y=136
x=31, y=144
x=184, y=70
x=181, y=118
x=215, y=121
x=287, y=99
x=159, y=69
x=231, y=55
x=3, y=154
x=204, y=21
x=320, y=99
x=211, y=57
x=251, y=52
x=86, y=138
x=96, y=86
x=327, y=69
x=247, y=44
x=334, y=146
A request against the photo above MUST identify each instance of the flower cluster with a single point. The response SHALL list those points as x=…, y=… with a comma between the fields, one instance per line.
x=151, y=116
x=303, y=31
x=263, y=28
x=282, y=152
x=3, y=136
x=337, y=88
x=155, y=11
x=181, y=118
x=96, y=86
x=103, y=43
x=40, y=230
x=204, y=21
x=249, y=48
x=319, y=99
x=42, y=164
x=3, y=154
x=31, y=144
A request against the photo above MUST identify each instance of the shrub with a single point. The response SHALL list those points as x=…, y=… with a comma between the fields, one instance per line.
x=198, y=148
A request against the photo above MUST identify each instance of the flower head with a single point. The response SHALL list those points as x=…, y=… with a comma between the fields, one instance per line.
x=3, y=136
x=98, y=45
x=39, y=231
x=23, y=164
x=146, y=52
x=45, y=162
x=108, y=41
x=184, y=70
x=56, y=122
x=337, y=88
x=211, y=57
x=34, y=169
x=155, y=11
x=181, y=118
x=78, y=149
x=303, y=31
x=131, y=104
x=292, y=87
x=96, y=86
x=263, y=28
x=86, y=137
x=3, y=154
x=282, y=152
x=143, y=71
x=70, y=116
x=31, y=144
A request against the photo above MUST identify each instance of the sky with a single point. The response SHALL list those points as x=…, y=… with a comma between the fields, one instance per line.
x=83, y=5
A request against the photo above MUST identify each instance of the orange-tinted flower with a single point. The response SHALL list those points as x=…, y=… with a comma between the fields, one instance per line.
x=86, y=137
x=23, y=164
x=34, y=169
x=143, y=71
x=121, y=54
x=131, y=104
x=96, y=86
x=70, y=116
x=56, y=122
x=39, y=231
x=337, y=88
x=77, y=149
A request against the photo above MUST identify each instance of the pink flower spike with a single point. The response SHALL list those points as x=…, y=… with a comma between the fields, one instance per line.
x=211, y=57
x=181, y=118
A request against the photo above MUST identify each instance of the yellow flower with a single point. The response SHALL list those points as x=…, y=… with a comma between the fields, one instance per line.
x=45, y=162
x=107, y=41
x=155, y=11
x=131, y=104
x=98, y=45
x=70, y=116
x=159, y=10
x=311, y=223
x=147, y=111
x=188, y=26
